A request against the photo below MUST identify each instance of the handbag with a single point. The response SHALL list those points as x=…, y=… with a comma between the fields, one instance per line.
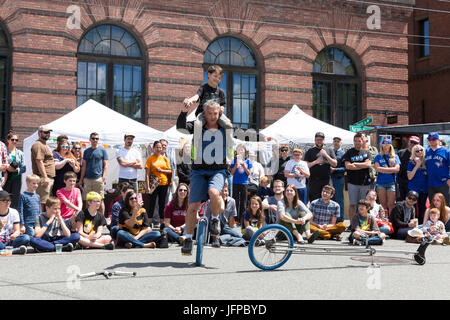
x=153, y=182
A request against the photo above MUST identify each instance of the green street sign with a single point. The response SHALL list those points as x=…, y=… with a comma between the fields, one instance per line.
x=354, y=128
x=363, y=122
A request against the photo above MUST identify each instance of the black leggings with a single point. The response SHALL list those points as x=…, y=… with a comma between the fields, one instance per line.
x=161, y=193
x=240, y=197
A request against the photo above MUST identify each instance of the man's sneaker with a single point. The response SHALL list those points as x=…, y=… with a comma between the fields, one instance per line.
x=215, y=242
x=20, y=250
x=314, y=236
x=128, y=245
x=187, y=247
x=156, y=226
x=163, y=241
x=357, y=242
x=214, y=227
x=109, y=246
x=68, y=247
x=181, y=240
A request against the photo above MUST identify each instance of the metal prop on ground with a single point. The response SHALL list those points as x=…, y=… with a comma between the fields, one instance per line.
x=107, y=274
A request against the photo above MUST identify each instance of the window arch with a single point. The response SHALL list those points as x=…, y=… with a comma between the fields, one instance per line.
x=240, y=81
x=5, y=61
x=111, y=70
x=336, y=88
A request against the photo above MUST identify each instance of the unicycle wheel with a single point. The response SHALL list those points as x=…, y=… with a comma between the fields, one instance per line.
x=201, y=233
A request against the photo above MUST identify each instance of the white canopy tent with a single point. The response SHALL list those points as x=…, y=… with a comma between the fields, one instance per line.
x=173, y=136
x=111, y=126
x=297, y=127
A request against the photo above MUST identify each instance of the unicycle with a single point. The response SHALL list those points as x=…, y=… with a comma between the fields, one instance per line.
x=270, y=247
x=201, y=240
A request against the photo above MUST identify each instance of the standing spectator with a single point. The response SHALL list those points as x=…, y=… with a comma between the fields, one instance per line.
x=319, y=160
x=357, y=163
x=437, y=161
x=373, y=152
x=337, y=176
x=78, y=155
x=43, y=164
x=296, y=173
x=164, y=145
x=3, y=163
x=16, y=160
x=90, y=223
x=325, y=214
x=50, y=229
x=130, y=161
x=295, y=216
x=270, y=204
x=256, y=173
x=29, y=205
x=438, y=202
x=94, y=169
x=175, y=214
x=240, y=170
x=418, y=178
x=64, y=162
x=10, y=234
x=405, y=156
x=365, y=229
x=282, y=161
x=184, y=164
x=158, y=165
x=134, y=227
x=387, y=164
x=402, y=216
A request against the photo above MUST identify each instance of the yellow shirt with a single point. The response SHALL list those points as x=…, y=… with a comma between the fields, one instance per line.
x=162, y=162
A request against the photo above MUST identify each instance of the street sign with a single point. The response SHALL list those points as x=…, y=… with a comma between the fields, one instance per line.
x=359, y=128
x=363, y=122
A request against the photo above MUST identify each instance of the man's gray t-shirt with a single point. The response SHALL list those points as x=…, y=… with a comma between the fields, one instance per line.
x=230, y=211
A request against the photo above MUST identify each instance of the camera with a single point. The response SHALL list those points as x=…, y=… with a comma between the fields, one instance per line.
x=14, y=164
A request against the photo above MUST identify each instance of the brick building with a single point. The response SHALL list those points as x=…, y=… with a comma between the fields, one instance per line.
x=429, y=63
x=142, y=58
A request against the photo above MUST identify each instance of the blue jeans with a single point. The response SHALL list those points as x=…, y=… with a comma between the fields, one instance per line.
x=338, y=184
x=372, y=240
x=124, y=237
x=385, y=229
x=113, y=232
x=47, y=244
x=29, y=229
x=303, y=195
x=230, y=231
x=172, y=235
x=22, y=240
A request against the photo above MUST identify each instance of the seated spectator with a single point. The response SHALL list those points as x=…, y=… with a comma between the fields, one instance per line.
x=295, y=216
x=378, y=212
x=124, y=188
x=50, y=229
x=325, y=214
x=134, y=227
x=435, y=228
x=264, y=191
x=29, y=205
x=270, y=205
x=402, y=216
x=253, y=218
x=71, y=200
x=10, y=226
x=175, y=214
x=90, y=223
x=364, y=228
x=438, y=201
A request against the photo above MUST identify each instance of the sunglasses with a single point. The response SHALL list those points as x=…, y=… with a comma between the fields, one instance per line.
x=297, y=154
x=95, y=139
x=432, y=139
x=45, y=132
x=64, y=147
x=412, y=198
x=14, y=140
x=133, y=198
x=76, y=148
x=419, y=151
x=284, y=150
x=182, y=190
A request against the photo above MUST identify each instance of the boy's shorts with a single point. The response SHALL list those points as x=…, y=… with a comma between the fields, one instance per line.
x=204, y=180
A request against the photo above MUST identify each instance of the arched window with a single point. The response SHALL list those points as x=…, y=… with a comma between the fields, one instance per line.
x=240, y=81
x=336, y=88
x=5, y=54
x=110, y=70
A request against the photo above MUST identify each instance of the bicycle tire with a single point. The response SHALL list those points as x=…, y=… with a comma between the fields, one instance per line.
x=200, y=234
x=274, y=252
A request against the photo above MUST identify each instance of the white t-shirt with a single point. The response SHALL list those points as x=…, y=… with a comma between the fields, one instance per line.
x=256, y=173
x=128, y=155
x=8, y=228
x=293, y=166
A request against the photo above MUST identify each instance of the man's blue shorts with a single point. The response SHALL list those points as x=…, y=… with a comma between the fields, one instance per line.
x=203, y=180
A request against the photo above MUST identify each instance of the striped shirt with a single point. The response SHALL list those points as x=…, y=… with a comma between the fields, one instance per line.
x=29, y=207
x=323, y=213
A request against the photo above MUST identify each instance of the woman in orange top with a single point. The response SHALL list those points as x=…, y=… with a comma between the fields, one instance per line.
x=157, y=164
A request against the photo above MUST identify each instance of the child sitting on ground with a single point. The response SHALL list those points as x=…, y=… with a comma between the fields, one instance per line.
x=435, y=228
x=364, y=227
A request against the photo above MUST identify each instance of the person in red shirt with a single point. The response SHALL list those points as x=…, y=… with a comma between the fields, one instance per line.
x=175, y=214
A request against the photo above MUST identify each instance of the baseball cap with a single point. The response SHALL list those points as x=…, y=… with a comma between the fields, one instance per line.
x=337, y=138
x=93, y=196
x=128, y=135
x=319, y=134
x=44, y=128
x=415, y=139
x=386, y=141
x=4, y=194
x=433, y=135
x=412, y=193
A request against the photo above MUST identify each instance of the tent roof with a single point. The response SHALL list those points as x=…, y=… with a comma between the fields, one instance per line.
x=298, y=127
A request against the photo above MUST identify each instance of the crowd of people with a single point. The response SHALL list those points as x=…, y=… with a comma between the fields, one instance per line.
x=63, y=202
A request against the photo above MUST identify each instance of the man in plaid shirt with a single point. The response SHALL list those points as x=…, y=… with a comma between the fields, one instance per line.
x=325, y=214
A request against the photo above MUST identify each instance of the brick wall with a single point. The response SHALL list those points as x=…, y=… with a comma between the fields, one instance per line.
x=286, y=37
